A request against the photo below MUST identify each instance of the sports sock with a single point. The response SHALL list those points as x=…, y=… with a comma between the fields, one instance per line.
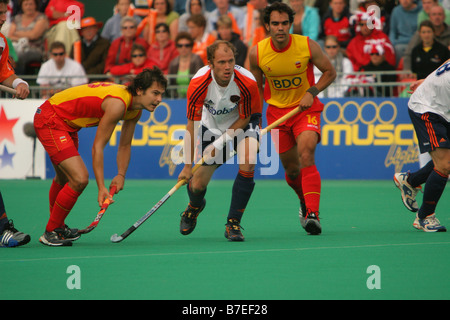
x=296, y=185
x=55, y=188
x=242, y=190
x=311, y=185
x=419, y=177
x=434, y=187
x=195, y=199
x=3, y=217
x=64, y=202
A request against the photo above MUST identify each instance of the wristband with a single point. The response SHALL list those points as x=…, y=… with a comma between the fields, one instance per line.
x=314, y=91
x=18, y=81
x=222, y=141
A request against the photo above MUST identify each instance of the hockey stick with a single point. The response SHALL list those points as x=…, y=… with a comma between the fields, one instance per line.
x=115, y=238
x=8, y=89
x=100, y=214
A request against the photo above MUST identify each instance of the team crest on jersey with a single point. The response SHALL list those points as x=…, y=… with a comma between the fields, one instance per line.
x=298, y=64
x=235, y=98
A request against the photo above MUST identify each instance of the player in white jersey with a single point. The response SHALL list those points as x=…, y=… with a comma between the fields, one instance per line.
x=225, y=98
x=429, y=109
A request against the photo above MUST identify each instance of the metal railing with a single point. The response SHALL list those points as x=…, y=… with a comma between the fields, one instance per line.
x=356, y=84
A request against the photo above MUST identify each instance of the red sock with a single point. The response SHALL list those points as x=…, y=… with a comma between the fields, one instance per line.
x=311, y=185
x=64, y=202
x=296, y=184
x=55, y=188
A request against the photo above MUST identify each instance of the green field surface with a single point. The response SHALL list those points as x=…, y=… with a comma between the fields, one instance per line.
x=364, y=224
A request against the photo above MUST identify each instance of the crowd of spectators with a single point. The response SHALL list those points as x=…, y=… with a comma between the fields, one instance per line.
x=357, y=35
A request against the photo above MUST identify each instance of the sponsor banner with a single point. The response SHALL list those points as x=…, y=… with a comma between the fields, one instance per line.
x=17, y=141
x=361, y=139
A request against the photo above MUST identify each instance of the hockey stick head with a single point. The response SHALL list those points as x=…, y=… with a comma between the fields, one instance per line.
x=115, y=238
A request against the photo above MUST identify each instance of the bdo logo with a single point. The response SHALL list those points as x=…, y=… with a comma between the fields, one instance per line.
x=287, y=83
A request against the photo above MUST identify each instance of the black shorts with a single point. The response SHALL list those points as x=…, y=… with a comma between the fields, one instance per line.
x=432, y=131
x=209, y=136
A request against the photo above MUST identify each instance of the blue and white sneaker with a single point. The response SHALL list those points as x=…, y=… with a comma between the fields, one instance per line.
x=11, y=237
x=407, y=191
x=429, y=224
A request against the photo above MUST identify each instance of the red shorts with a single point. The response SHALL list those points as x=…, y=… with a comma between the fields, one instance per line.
x=289, y=130
x=59, y=139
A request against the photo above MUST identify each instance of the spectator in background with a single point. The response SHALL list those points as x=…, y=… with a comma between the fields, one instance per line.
x=441, y=34
x=403, y=25
x=358, y=49
x=139, y=62
x=112, y=29
x=429, y=54
x=164, y=14
x=336, y=22
x=383, y=15
x=378, y=63
x=202, y=39
x=27, y=32
x=120, y=50
x=306, y=20
x=424, y=14
x=192, y=7
x=93, y=48
x=236, y=14
x=252, y=21
x=341, y=64
x=179, y=6
x=57, y=12
x=185, y=65
x=59, y=72
x=225, y=32
x=163, y=50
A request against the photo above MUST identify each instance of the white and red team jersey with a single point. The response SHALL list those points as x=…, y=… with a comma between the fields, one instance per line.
x=219, y=107
x=433, y=95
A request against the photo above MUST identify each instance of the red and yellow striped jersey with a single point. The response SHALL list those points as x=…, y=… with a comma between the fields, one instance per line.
x=81, y=106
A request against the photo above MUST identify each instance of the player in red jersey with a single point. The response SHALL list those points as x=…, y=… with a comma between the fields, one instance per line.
x=287, y=61
x=9, y=236
x=57, y=123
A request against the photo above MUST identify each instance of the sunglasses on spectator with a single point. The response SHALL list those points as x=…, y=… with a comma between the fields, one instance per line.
x=56, y=54
x=186, y=45
x=138, y=55
x=374, y=54
x=161, y=31
x=331, y=47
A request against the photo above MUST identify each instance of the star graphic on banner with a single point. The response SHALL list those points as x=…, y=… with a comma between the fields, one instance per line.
x=6, y=159
x=6, y=126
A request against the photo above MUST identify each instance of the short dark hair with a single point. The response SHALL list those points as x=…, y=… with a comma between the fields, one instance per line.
x=57, y=45
x=280, y=7
x=145, y=79
x=184, y=35
x=426, y=23
x=4, y=2
x=211, y=50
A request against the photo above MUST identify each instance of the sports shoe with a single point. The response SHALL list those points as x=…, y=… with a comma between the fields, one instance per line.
x=312, y=223
x=70, y=234
x=301, y=214
x=11, y=237
x=233, y=231
x=407, y=191
x=55, y=238
x=189, y=218
x=430, y=224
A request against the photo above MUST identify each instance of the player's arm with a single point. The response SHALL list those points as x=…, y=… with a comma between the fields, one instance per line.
x=188, y=151
x=21, y=86
x=321, y=61
x=257, y=72
x=114, y=110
